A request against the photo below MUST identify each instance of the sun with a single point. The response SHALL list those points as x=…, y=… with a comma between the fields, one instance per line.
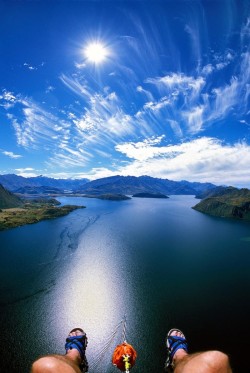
x=96, y=52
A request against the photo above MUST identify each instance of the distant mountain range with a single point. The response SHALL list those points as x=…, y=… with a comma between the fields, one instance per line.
x=127, y=185
x=14, y=183
x=130, y=185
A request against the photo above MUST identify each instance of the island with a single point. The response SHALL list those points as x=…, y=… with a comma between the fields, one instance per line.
x=227, y=202
x=150, y=195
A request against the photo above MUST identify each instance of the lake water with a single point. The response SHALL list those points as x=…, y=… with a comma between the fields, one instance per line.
x=158, y=262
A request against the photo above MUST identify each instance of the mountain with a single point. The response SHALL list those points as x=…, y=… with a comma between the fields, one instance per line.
x=228, y=202
x=14, y=182
x=217, y=191
x=110, y=185
x=38, y=190
x=8, y=199
x=144, y=184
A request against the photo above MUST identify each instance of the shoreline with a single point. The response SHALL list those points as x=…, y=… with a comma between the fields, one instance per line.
x=17, y=217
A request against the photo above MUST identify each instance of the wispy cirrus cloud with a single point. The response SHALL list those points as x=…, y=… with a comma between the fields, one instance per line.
x=71, y=139
x=38, y=129
x=193, y=102
x=11, y=154
x=37, y=126
x=127, y=114
x=103, y=120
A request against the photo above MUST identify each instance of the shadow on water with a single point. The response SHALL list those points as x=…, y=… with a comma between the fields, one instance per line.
x=161, y=263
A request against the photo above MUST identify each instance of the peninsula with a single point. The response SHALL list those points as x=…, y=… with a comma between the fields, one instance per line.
x=32, y=213
x=15, y=212
x=227, y=202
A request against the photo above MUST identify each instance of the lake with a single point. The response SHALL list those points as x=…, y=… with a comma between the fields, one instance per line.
x=157, y=261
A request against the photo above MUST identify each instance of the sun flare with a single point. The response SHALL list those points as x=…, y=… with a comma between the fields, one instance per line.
x=96, y=52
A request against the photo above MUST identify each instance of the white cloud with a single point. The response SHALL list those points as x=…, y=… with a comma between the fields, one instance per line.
x=142, y=150
x=30, y=67
x=49, y=89
x=37, y=126
x=193, y=30
x=208, y=69
x=103, y=120
x=11, y=155
x=99, y=172
x=176, y=104
x=27, y=172
x=155, y=106
x=245, y=32
x=38, y=129
x=204, y=159
x=221, y=65
x=80, y=65
x=24, y=169
x=67, y=158
x=194, y=118
x=75, y=86
x=146, y=92
x=9, y=96
x=181, y=80
x=7, y=99
x=175, y=127
x=182, y=104
x=225, y=98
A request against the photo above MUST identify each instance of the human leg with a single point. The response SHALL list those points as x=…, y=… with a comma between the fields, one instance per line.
x=74, y=361
x=179, y=361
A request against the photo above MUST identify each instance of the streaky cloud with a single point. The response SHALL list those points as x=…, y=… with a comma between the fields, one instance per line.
x=11, y=154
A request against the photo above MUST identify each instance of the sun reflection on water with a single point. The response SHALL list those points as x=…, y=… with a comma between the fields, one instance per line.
x=92, y=297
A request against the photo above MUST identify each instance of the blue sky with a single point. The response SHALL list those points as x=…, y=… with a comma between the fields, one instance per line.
x=170, y=99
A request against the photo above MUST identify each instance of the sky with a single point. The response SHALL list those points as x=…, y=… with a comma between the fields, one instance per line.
x=91, y=89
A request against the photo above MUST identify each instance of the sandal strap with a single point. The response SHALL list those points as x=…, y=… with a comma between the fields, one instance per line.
x=176, y=343
x=79, y=342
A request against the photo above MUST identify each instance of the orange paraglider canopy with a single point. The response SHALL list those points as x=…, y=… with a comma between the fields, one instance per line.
x=124, y=357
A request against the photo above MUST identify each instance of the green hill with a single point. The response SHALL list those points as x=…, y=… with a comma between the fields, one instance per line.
x=8, y=199
x=230, y=203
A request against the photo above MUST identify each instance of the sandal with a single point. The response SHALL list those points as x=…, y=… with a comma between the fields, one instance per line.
x=174, y=343
x=78, y=342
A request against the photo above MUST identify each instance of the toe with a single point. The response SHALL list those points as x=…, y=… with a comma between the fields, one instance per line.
x=177, y=333
x=75, y=332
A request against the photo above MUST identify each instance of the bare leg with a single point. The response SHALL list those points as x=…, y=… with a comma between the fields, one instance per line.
x=202, y=362
x=69, y=363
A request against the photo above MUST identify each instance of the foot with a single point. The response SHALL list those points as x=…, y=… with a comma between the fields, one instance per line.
x=177, y=348
x=75, y=347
